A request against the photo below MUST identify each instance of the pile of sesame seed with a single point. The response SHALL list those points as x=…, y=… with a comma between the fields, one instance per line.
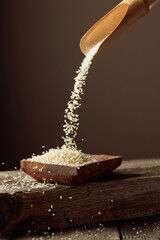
x=64, y=156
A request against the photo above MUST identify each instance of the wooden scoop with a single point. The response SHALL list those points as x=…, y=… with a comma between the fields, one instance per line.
x=71, y=175
x=115, y=22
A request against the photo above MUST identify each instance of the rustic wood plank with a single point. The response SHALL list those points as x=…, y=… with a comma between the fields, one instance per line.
x=132, y=191
x=107, y=231
x=140, y=229
x=6, y=236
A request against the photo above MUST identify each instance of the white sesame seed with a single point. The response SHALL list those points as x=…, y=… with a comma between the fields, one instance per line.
x=63, y=156
x=68, y=153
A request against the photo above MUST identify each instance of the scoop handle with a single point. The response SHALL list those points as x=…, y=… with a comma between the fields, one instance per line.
x=152, y=3
x=136, y=10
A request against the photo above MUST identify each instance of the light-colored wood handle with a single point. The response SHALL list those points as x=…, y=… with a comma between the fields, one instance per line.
x=115, y=22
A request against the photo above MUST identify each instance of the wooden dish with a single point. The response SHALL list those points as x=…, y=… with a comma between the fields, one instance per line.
x=71, y=175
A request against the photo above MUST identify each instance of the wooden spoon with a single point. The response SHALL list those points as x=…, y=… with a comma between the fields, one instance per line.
x=71, y=175
x=115, y=22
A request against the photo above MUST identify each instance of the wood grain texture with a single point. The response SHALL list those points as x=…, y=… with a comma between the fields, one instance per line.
x=147, y=228
x=140, y=229
x=107, y=231
x=133, y=190
x=71, y=175
x=6, y=236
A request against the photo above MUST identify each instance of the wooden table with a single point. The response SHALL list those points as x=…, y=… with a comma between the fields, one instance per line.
x=124, y=205
x=147, y=228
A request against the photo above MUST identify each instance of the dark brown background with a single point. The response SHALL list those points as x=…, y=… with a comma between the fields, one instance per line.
x=40, y=53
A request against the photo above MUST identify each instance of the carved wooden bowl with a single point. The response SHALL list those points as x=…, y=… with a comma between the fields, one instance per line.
x=71, y=175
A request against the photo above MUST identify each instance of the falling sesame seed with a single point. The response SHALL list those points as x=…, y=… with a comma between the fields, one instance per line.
x=68, y=153
x=71, y=121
